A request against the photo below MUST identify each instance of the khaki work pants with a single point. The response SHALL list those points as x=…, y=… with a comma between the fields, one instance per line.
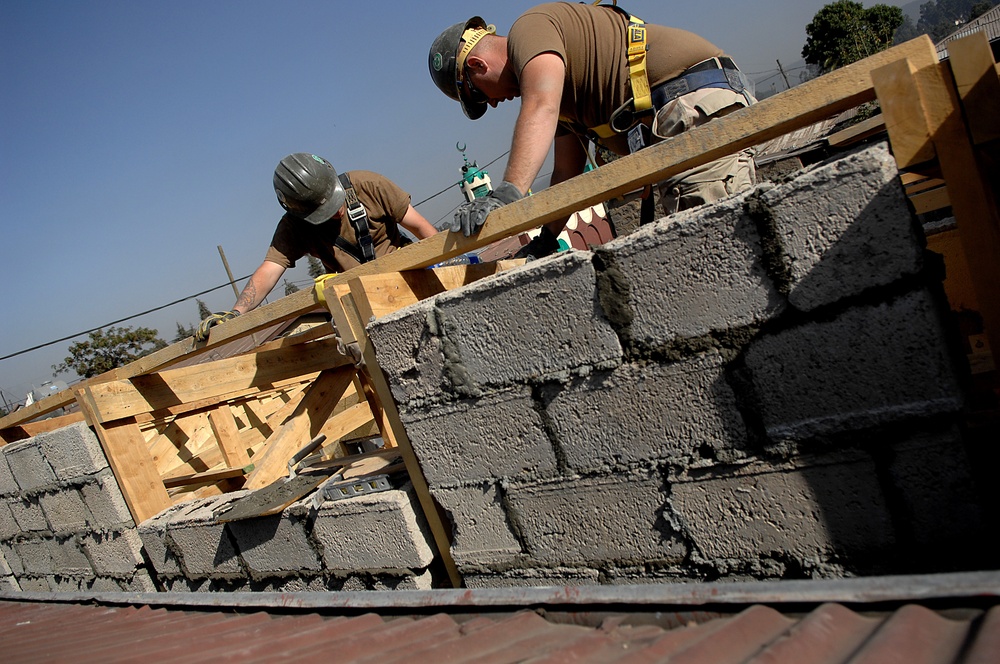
x=716, y=179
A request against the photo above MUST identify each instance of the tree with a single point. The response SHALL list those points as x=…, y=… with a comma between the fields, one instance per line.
x=107, y=350
x=203, y=310
x=941, y=18
x=316, y=268
x=290, y=287
x=183, y=332
x=978, y=10
x=844, y=32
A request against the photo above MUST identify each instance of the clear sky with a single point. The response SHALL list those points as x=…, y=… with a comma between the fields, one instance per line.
x=137, y=137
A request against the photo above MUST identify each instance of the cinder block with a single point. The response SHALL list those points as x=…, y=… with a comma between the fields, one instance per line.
x=204, y=546
x=73, y=451
x=153, y=534
x=528, y=578
x=595, y=520
x=637, y=414
x=29, y=467
x=114, y=554
x=872, y=365
x=64, y=510
x=28, y=515
x=9, y=584
x=481, y=531
x=35, y=556
x=844, y=227
x=9, y=528
x=373, y=532
x=274, y=545
x=536, y=320
x=34, y=584
x=68, y=559
x=8, y=485
x=808, y=513
x=12, y=557
x=931, y=473
x=500, y=435
x=106, y=504
x=410, y=354
x=692, y=273
x=141, y=582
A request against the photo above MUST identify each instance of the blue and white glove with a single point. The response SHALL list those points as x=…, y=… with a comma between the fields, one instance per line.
x=470, y=216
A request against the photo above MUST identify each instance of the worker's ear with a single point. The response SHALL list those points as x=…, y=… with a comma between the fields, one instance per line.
x=476, y=64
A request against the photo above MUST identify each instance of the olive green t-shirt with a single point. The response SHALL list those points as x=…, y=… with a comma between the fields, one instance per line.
x=592, y=43
x=386, y=205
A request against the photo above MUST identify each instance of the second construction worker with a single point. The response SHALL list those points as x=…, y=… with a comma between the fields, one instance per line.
x=343, y=220
x=590, y=73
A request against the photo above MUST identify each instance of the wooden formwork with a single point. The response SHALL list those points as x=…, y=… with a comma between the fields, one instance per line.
x=174, y=434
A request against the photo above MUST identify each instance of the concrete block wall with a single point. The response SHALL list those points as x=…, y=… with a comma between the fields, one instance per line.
x=65, y=527
x=762, y=388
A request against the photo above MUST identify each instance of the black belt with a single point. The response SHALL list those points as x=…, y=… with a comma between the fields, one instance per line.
x=712, y=73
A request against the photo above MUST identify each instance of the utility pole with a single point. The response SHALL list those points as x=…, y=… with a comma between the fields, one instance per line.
x=225, y=263
x=783, y=75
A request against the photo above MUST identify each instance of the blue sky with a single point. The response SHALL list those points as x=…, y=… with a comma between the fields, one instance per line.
x=137, y=137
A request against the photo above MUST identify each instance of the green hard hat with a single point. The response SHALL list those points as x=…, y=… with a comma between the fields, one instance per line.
x=307, y=187
x=443, y=64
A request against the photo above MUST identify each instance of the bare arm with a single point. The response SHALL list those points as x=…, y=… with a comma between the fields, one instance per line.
x=258, y=286
x=414, y=222
x=541, y=84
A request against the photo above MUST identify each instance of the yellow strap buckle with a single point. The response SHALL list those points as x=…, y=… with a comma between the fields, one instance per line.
x=319, y=290
x=637, y=64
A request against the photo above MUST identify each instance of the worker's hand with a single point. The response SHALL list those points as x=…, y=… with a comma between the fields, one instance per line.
x=470, y=216
x=202, y=333
x=543, y=244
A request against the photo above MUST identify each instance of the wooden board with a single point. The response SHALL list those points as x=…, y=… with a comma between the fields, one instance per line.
x=971, y=60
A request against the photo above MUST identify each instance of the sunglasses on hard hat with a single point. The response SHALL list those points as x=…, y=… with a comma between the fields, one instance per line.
x=473, y=94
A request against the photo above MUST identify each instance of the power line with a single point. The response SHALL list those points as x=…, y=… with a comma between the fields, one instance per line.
x=120, y=320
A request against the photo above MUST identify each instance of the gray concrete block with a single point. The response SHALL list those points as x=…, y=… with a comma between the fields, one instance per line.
x=274, y=545
x=204, y=546
x=931, y=473
x=114, y=554
x=808, y=514
x=34, y=584
x=67, y=584
x=410, y=354
x=28, y=515
x=35, y=556
x=9, y=528
x=481, y=531
x=872, y=365
x=500, y=435
x=373, y=532
x=12, y=557
x=536, y=320
x=8, y=485
x=104, y=584
x=595, y=520
x=844, y=227
x=105, y=502
x=638, y=414
x=9, y=584
x=529, y=578
x=68, y=559
x=73, y=451
x=30, y=469
x=153, y=534
x=692, y=273
x=64, y=510
x=141, y=582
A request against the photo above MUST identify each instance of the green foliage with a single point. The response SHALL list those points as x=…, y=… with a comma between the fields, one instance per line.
x=183, y=332
x=978, y=9
x=203, y=310
x=941, y=18
x=315, y=267
x=844, y=32
x=290, y=287
x=107, y=350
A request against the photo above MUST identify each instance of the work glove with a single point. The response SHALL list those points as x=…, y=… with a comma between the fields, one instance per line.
x=543, y=244
x=470, y=216
x=202, y=333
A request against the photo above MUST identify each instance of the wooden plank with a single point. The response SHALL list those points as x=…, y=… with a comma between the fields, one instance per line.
x=923, y=185
x=301, y=426
x=347, y=422
x=227, y=436
x=219, y=379
x=347, y=313
x=971, y=60
x=31, y=429
x=973, y=200
x=131, y=463
x=773, y=117
x=858, y=132
x=928, y=201
x=207, y=476
x=908, y=130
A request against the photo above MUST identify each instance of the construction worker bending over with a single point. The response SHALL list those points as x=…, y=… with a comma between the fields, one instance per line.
x=342, y=220
x=590, y=73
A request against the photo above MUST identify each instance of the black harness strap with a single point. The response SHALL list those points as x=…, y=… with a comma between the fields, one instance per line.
x=358, y=217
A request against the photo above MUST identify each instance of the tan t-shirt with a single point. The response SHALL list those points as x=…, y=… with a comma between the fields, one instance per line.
x=386, y=205
x=591, y=41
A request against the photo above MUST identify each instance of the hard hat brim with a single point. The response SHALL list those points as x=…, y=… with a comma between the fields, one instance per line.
x=335, y=200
